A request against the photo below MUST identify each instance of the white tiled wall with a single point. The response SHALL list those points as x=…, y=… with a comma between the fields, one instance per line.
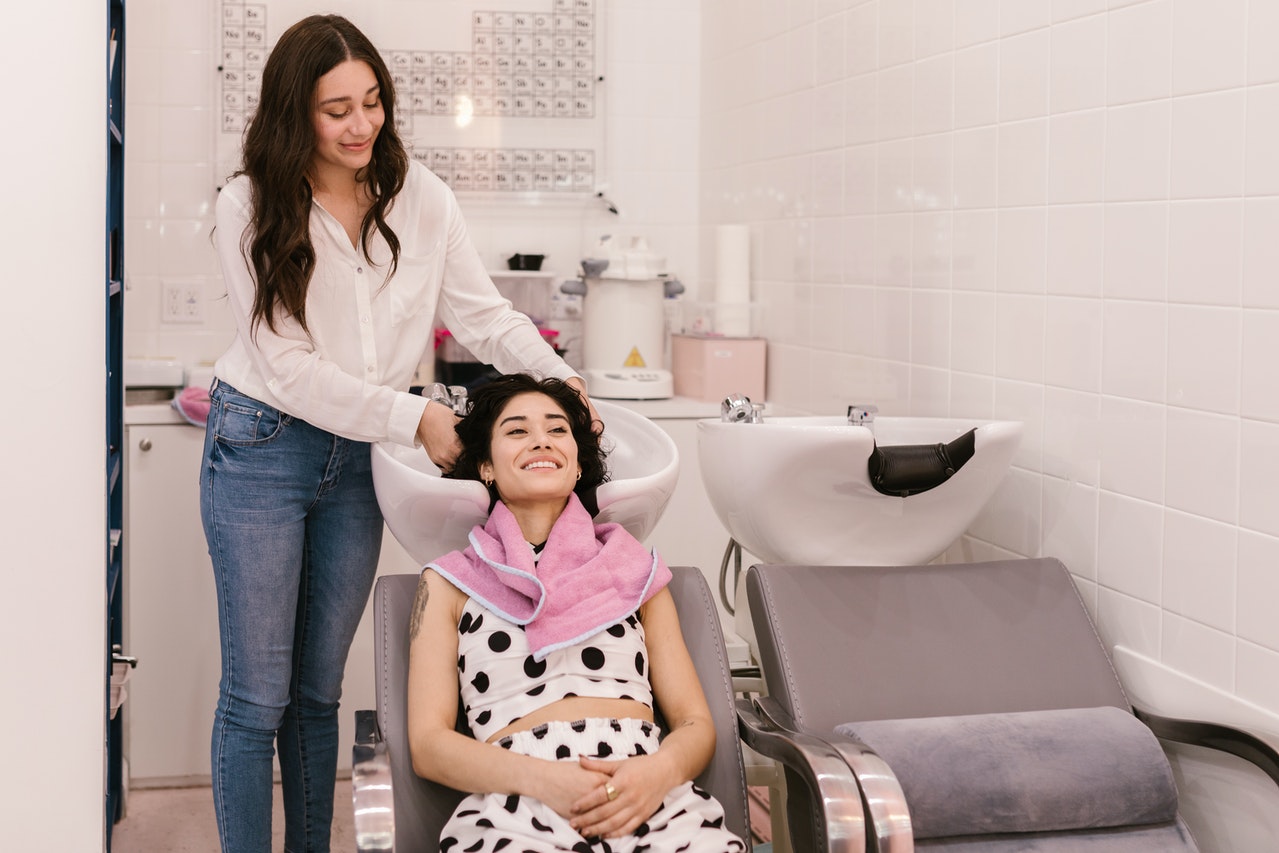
x=1060, y=211
x=651, y=100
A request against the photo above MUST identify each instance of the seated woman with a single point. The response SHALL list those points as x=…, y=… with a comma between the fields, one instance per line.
x=560, y=634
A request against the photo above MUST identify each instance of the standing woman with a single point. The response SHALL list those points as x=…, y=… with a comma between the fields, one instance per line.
x=338, y=253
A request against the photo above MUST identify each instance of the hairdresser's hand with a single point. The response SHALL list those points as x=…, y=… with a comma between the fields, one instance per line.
x=597, y=423
x=639, y=784
x=437, y=435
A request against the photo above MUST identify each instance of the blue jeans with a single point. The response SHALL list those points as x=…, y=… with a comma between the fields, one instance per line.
x=294, y=531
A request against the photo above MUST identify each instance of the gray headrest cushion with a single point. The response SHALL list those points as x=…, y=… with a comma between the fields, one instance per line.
x=1034, y=771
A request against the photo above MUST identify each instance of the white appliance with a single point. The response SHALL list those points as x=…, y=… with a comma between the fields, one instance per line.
x=624, y=323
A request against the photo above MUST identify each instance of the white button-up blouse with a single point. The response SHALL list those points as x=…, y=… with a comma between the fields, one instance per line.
x=368, y=332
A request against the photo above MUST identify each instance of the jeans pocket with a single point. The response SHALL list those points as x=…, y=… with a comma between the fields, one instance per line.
x=243, y=421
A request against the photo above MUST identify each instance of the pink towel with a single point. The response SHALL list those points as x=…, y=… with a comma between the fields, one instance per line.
x=193, y=405
x=589, y=576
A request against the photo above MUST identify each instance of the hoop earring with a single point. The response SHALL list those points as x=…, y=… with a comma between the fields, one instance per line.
x=487, y=483
x=579, y=474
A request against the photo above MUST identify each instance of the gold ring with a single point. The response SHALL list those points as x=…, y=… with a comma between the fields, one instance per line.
x=610, y=792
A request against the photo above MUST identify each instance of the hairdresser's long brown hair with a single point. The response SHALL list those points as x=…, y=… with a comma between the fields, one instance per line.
x=278, y=148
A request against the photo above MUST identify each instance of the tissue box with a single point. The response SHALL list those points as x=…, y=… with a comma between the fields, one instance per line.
x=711, y=368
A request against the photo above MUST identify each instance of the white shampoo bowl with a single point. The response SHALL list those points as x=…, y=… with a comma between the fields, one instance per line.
x=430, y=515
x=796, y=490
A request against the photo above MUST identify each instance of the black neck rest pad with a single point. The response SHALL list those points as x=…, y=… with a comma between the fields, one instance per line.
x=903, y=470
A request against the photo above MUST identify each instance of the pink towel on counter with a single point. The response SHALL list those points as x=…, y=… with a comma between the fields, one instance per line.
x=589, y=576
x=193, y=405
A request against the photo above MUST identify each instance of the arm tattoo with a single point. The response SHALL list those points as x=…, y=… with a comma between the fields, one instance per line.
x=419, y=608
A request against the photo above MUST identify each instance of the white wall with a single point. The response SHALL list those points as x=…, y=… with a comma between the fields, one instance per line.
x=52, y=369
x=1059, y=211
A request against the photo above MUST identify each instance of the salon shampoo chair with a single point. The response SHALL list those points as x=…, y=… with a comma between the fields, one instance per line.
x=391, y=801
x=976, y=705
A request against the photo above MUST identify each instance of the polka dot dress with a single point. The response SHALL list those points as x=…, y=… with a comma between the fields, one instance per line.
x=688, y=819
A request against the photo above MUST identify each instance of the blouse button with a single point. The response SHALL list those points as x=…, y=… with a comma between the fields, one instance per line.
x=359, y=270
x=368, y=369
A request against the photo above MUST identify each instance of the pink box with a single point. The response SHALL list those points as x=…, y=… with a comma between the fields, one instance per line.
x=711, y=368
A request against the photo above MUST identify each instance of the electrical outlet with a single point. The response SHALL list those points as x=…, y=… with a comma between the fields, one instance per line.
x=182, y=302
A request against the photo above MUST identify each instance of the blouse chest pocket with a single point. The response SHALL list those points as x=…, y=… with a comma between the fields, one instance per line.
x=411, y=291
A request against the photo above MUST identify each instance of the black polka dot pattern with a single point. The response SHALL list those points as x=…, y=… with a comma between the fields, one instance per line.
x=498, y=673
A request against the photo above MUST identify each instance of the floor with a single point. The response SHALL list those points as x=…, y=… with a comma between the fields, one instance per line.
x=180, y=820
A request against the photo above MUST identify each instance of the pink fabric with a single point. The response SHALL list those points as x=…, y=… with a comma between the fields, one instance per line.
x=589, y=576
x=193, y=404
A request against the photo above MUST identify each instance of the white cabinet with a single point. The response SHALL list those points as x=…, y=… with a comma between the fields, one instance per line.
x=172, y=618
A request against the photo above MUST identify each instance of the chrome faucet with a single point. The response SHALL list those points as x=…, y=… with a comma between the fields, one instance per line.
x=862, y=414
x=736, y=408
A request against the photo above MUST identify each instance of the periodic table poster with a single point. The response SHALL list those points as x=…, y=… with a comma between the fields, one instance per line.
x=496, y=96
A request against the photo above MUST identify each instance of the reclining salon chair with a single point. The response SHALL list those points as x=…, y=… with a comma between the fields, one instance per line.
x=976, y=706
x=382, y=762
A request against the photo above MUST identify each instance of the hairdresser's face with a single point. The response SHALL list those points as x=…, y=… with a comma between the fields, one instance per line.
x=533, y=455
x=347, y=115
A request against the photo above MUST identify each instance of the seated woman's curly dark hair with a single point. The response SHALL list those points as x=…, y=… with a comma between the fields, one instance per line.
x=485, y=404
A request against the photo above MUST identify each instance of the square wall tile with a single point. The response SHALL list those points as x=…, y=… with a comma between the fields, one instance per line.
x=1208, y=145
x=1076, y=249
x=976, y=85
x=1077, y=71
x=1203, y=358
x=1209, y=44
x=1199, y=651
x=1019, y=337
x=1129, y=546
x=1201, y=470
x=1022, y=250
x=1133, y=350
x=976, y=169
x=896, y=33
x=930, y=328
x=1259, y=476
x=1023, y=163
x=1258, y=589
x=1132, y=449
x=828, y=251
x=861, y=170
x=1199, y=570
x=1261, y=172
x=1137, y=142
x=1072, y=343
x=1260, y=253
x=1136, y=253
x=971, y=396
x=828, y=116
x=1023, y=75
x=829, y=52
x=857, y=320
x=934, y=27
x=861, y=38
x=894, y=177
x=1076, y=158
x=976, y=240
x=1259, y=395
x=1139, y=53
x=825, y=312
x=1205, y=254
x=1126, y=621
x=1070, y=526
x=892, y=325
x=1065, y=10
x=934, y=95
x=931, y=172
x=859, y=250
x=976, y=21
x=1257, y=675
x=1011, y=519
x=973, y=332
x=931, y=250
x=1263, y=34
x=860, y=113
x=1072, y=436
x=896, y=96
x=1018, y=16
x=1024, y=401
x=929, y=391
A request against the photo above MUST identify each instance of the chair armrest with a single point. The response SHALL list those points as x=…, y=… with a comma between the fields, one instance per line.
x=371, y=792
x=821, y=768
x=1215, y=736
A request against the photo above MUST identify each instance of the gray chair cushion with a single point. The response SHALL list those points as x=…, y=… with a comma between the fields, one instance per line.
x=1032, y=771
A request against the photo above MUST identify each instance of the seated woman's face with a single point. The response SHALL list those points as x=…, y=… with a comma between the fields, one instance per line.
x=532, y=452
